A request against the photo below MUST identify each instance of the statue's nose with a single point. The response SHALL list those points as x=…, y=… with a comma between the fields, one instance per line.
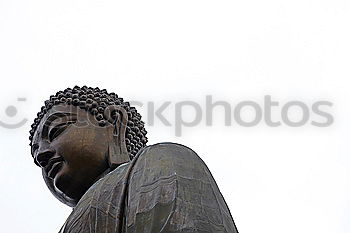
x=44, y=156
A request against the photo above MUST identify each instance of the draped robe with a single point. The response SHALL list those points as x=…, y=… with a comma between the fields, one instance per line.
x=165, y=188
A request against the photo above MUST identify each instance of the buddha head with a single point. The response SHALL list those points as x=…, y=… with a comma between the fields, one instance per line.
x=79, y=135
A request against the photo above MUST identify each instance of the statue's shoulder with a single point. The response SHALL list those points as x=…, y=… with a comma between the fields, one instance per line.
x=172, y=190
x=163, y=160
x=162, y=151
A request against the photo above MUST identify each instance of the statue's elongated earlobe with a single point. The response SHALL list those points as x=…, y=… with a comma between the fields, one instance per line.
x=117, y=151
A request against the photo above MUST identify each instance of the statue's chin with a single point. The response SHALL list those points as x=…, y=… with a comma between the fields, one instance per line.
x=68, y=186
x=65, y=187
x=56, y=188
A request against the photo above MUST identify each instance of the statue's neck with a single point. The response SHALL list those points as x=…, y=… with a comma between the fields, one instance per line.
x=103, y=174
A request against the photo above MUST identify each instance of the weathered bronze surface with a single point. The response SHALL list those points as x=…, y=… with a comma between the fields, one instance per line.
x=91, y=147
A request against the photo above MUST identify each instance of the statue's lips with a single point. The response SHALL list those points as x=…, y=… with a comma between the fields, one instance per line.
x=53, y=166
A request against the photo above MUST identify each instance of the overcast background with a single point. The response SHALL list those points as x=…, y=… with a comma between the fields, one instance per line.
x=275, y=180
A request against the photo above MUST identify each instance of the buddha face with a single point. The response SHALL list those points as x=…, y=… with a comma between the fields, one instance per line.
x=71, y=150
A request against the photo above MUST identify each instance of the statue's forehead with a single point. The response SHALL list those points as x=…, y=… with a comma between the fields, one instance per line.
x=38, y=130
x=63, y=108
x=54, y=109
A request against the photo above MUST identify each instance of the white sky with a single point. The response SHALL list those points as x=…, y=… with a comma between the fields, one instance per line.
x=274, y=179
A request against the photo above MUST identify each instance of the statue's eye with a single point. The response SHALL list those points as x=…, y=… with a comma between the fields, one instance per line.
x=58, y=129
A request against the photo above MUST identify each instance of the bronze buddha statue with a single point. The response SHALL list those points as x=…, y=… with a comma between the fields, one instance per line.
x=91, y=147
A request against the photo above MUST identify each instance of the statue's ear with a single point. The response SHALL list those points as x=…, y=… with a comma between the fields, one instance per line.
x=117, y=152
